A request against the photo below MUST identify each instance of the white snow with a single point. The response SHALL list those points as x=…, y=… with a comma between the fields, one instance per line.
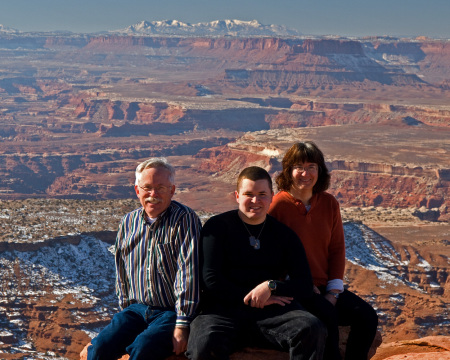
x=213, y=28
x=366, y=248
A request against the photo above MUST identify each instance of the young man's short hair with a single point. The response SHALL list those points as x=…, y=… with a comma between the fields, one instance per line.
x=254, y=173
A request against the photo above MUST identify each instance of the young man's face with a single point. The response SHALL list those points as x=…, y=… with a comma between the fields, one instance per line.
x=254, y=198
x=155, y=191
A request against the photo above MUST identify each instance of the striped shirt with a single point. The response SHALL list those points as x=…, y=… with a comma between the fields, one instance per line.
x=157, y=264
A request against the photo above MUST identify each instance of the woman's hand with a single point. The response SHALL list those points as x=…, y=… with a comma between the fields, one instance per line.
x=332, y=299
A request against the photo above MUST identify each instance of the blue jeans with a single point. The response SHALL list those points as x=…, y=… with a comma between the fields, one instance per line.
x=215, y=334
x=139, y=330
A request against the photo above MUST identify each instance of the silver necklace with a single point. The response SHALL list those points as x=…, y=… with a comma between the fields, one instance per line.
x=255, y=243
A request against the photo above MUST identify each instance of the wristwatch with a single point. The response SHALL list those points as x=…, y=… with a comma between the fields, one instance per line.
x=334, y=294
x=272, y=285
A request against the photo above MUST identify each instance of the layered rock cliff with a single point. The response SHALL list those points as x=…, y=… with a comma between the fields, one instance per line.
x=79, y=112
x=356, y=181
x=54, y=297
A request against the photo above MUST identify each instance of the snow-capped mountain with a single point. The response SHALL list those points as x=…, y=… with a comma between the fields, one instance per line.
x=7, y=29
x=213, y=28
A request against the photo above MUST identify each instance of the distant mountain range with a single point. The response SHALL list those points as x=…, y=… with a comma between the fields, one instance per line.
x=7, y=29
x=213, y=28
x=178, y=28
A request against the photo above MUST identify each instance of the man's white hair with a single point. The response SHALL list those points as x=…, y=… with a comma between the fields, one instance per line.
x=155, y=163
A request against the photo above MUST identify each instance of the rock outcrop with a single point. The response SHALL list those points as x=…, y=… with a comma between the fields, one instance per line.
x=428, y=348
x=123, y=98
x=51, y=304
x=80, y=111
x=356, y=180
x=252, y=353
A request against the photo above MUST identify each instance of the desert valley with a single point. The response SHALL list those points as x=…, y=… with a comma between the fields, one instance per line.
x=78, y=112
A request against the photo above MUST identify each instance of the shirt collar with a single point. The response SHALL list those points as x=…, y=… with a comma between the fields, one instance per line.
x=312, y=201
x=159, y=217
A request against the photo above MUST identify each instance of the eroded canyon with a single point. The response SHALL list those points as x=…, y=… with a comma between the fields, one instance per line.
x=79, y=112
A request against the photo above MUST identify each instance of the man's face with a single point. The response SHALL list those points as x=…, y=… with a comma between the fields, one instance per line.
x=155, y=191
x=254, y=198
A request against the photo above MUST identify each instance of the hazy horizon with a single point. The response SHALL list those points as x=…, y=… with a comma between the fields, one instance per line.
x=321, y=17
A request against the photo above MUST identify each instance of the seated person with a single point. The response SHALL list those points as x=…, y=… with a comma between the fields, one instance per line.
x=244, y=255
x=314, y=215
x=156, y=272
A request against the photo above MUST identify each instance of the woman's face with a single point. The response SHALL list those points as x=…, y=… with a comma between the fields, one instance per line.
x=305, y=176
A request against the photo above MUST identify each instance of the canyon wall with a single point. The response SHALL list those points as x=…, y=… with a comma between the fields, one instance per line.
x=54, y=298
x=79, y=112
x=356, y=181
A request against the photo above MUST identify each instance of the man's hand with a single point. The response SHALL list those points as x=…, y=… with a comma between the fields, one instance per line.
x=180, y=339
x=280, y=300
x=261, y=296
x=258, y=296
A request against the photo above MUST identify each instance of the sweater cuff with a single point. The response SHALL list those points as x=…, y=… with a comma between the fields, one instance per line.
x=335, y=284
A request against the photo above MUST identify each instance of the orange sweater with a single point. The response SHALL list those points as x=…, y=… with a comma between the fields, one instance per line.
x=320, y=230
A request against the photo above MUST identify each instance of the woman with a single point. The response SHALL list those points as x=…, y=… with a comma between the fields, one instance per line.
x=314, y=215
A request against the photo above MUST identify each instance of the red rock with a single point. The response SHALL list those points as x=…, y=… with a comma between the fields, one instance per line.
x=324, y=47
x=422, y=356
x=427, y=348
x=251, y=353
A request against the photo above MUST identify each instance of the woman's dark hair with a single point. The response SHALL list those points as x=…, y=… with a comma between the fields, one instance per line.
x=299, y=153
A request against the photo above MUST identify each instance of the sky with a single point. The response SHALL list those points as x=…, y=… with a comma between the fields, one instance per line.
x=311, y=17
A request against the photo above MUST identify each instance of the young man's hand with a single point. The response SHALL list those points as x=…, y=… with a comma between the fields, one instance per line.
x=280, y=300
x=261, y=296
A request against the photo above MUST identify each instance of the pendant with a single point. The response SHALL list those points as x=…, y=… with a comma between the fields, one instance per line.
x=254, y=242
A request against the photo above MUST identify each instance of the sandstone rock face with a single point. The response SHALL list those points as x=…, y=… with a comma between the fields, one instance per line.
x=326, y=47
x=62, y=126
x=138, y=112
x=424, y=356
x=386, y=183
x=403, y=349
x=79, y=112
x=49, y=303
x=428, y=348
x=251, y=353
x=420, y=53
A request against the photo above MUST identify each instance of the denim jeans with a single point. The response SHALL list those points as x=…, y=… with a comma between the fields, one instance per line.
x=139, y=330
x=215, y=334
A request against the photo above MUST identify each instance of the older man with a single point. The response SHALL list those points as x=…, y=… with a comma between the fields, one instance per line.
x=156, y=272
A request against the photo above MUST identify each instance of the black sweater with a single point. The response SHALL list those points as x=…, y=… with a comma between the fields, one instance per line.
x=231, y=268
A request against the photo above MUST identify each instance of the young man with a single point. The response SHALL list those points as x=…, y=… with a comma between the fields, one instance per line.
x=156, y=272
x=253, y=271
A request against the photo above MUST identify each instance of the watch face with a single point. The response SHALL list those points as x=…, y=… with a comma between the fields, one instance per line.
x=272, y=285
